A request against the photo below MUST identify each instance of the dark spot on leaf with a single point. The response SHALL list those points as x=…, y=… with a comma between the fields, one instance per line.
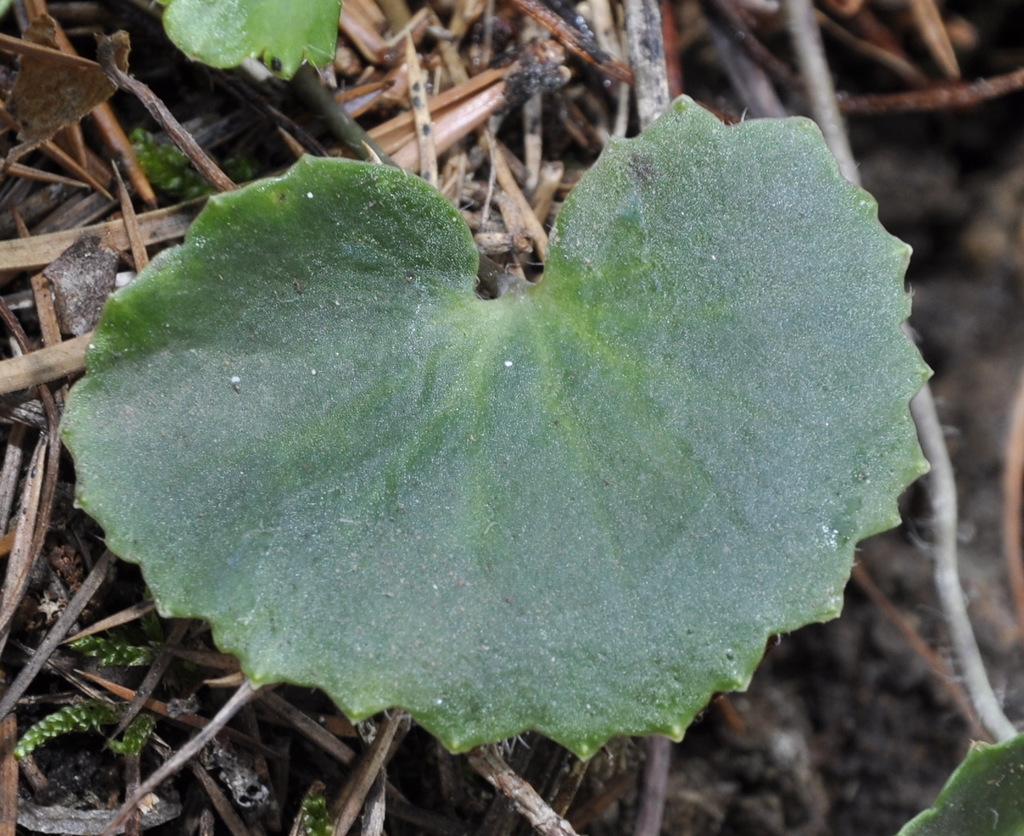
x=276, y=65
x=642, y=169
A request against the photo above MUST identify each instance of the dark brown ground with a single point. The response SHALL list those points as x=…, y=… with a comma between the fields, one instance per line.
x=845, y=730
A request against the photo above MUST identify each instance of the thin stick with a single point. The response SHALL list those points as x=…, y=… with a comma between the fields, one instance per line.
x=131, y=223
x=307, y=86
x=526, y=800
x=202, y=161
x=10, y=478
x=156, y=226
x=175, y=763
x=57, y=633
x=937, y=98
x=46, y=311
x=125, y=616
x=507, y=181
x=570, y=786
x=63, y=159
x=30, y=173
x=647, y=54
x=44, y=365
x=1013, y=483
x=372, y=823
x=934, y=34
x=8, y=43
x=421, y=114
x=941, y=482
x=942, y=491
x=8, y=776
x=453, y=125
x=655, y=787
x=168, y=711
x=23, y=553
x=940, y=670
x=817, y=77
x=576, y=42
x=308, y=728
x=152, y=677
x=748, y=78
x=370, y=766
x=227, y=813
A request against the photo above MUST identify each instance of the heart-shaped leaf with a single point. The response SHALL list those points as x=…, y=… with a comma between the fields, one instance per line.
x=223, y=33
x=581, y=508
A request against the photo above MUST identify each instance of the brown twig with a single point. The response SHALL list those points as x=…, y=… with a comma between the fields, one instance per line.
x=655, y=786
x=527, y=802
x=308, y=727
x=220, y=802
x=30, y=173
x=450, y=126
x=886, y=52
x=576, y=42
x=177, y=762
x=733, y=25
x=42, y=295
x=37, y=496
x=939, y=669
x=60, y=629
x=156, y=226
x=933, y=33
x=164, y=710
x=748, y=77
x=153, y=676
x=109, y=49
x=23, y=552
x=140, y=258
x=613, y=790
x=46, y=364
x=8, y=776
x=10, y=478
x=125, y=616
x=942, y=97
x=570, y=785
x=353, y=794
x=523, y=211
x=62, y=158
x=18, y=46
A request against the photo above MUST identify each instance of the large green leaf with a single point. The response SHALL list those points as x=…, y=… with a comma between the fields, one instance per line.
x=223, y=33
x=581, y=508
x=985, y=795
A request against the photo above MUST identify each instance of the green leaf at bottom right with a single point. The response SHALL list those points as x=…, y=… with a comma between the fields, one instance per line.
x=984, y=795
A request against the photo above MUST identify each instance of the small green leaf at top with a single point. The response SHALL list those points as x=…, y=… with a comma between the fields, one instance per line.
x=580, y=508
x=984, y=795
x=223, y=33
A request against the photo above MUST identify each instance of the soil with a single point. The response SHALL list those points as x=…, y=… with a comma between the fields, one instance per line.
x=845, y=728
